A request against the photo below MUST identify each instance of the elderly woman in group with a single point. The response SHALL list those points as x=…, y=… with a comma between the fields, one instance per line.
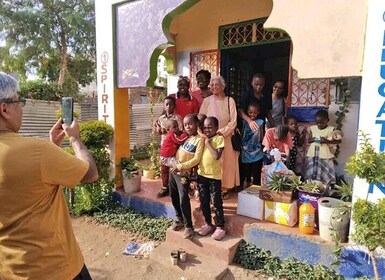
x=224, y=109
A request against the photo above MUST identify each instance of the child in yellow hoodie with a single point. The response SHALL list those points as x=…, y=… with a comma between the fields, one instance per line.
x=189, y=155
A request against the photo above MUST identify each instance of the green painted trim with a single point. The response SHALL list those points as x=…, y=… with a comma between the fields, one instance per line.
x=170, y=41
x=169, y=63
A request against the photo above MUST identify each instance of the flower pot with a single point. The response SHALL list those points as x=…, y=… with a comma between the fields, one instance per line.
x=132, y=185
x=149, y=174
x=332, y=217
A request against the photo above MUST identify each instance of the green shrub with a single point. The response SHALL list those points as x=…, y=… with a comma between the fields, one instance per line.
x=127, y=219
x=96, y=134
x=92, y=197
x=42, y=90
x=251, y=257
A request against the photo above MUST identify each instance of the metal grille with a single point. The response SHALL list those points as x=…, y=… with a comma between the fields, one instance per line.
x=248, y=34
x=207, y=60
x=309, y=92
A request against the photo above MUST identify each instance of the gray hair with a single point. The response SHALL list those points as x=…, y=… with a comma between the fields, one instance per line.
x=220, y=79
x=8, y=86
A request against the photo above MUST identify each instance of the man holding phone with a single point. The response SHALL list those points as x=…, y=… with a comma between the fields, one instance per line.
x=36, y=236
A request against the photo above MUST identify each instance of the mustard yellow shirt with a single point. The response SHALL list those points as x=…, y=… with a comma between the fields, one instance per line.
x=190, y=152
x=324, y=151
x=210, y=167
x=36, y=236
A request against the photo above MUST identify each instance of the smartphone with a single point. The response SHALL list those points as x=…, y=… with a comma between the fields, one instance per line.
x=67, y=108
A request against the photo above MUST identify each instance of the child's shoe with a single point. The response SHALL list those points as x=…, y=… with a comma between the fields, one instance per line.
x=219, y=234
x=188, y=233
x=177, y=225
x=205, y=230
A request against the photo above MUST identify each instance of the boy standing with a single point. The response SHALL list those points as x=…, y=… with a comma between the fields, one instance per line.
x=160, y=126
x=210, y=176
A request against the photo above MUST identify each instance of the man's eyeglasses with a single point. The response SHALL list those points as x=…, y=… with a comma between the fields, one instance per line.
x=21, y=101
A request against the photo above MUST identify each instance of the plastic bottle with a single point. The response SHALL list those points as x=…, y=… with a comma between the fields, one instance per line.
x=306, y=217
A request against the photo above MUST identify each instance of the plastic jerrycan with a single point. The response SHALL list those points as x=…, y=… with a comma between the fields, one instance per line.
x=306, y=217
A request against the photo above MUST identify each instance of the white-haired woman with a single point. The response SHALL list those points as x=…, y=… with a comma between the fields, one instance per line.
x=224, y=109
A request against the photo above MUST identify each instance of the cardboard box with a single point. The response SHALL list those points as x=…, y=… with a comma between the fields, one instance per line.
x=282, y=213
x=276, y=196
x=249, y=203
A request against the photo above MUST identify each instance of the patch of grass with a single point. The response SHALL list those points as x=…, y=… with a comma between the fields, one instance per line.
x=128, y=219
x=251, y=257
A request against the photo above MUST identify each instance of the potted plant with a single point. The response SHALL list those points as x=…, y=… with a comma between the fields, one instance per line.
x=334, y=214
x=148, y=170
x=368, y=217
x=131, y=174
x=280, y=188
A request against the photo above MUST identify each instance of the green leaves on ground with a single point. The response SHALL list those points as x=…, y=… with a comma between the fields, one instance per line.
x=127, y=219
x=251, y=257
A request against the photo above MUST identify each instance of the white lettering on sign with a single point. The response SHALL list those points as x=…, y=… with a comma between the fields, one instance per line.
x=104, y=76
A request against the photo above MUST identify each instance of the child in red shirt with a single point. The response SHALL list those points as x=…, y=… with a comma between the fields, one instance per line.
x=171, y=143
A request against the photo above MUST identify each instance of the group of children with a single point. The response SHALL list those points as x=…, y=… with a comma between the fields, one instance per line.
x=181, y=152
x=194, y=143
x=287, y=138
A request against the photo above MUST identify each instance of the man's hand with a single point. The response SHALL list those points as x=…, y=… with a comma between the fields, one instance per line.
x=174, y=169
x=253, y=125
x=56, y=133
x=72, y=130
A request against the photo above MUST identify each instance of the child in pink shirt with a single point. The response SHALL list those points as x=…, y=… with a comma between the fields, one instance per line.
x=280, y=138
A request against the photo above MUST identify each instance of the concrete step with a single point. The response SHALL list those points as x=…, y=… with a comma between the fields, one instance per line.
x=223, y=250
x=197, y=265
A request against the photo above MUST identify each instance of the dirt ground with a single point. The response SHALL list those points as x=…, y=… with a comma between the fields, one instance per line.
x=102, y=248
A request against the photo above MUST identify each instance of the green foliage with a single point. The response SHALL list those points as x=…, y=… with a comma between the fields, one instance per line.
x=91, y=197
x=140, y=153
x=367, y=163
x=128, y=219
x=344, y=191
x=128, y=166
x=369, y=221
x=313, y=186
x=42, y=90
x=96, y=134
x=281, y=182
x=154, y=97
x=343, y=108
x=53, y=39
x=251, y=257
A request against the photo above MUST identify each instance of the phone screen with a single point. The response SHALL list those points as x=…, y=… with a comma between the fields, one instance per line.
x=67, y=105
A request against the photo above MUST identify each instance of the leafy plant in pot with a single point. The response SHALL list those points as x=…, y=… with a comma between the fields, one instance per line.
x=131, y=174
x=281, y=188
x=149, y=171
x=334, y=213
x=368, y=217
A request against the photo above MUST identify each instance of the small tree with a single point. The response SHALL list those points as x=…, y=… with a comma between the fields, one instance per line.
x=368, y=217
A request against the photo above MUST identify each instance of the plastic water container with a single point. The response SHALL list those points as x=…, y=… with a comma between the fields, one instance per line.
x=306, y=217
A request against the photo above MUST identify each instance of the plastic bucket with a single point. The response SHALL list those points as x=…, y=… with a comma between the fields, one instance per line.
x=332, y=217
